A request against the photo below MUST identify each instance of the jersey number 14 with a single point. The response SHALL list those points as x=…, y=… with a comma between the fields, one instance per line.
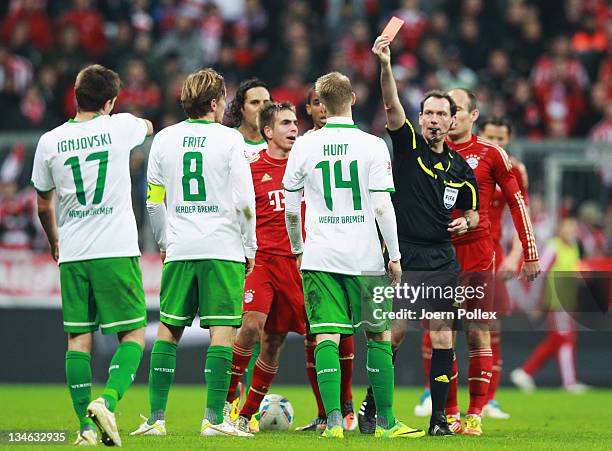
x=352, y=183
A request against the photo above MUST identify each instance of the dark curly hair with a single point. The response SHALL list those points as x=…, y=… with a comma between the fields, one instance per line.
x=233, y=118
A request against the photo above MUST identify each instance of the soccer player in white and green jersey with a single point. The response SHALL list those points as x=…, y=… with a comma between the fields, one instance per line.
x=346, y=178
x=86, y=161
x=206, y=232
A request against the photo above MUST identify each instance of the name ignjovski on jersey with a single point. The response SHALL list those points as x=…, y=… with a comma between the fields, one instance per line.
x=350, y=219
x=189, y=209
x=86, y=142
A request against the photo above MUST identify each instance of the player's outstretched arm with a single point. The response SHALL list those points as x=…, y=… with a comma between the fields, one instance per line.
x=387, y=223
x=46, y=212
x=396, y=117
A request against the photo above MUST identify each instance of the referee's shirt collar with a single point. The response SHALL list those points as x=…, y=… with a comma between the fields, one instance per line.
x=339, y=120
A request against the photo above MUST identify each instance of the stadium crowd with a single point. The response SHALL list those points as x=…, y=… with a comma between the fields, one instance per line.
x=546, y=65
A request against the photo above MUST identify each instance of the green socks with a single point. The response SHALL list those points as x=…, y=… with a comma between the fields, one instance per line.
x=380, y=374
x=78, y=378
x=327, y=362
x=121, y=372
x=161, y=376
x=217, y=374
x=249, y=369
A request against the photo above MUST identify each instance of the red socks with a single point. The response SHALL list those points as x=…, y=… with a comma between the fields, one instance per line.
x=240, y=360
x=263, y=374
x=426, y=354
x=479, y=378
x=452, y=406
x=311, y=372
x=497, y=364
x=347, y=354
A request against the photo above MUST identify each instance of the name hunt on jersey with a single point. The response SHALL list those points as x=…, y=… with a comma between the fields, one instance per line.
x=88, y=164
x=337, y=167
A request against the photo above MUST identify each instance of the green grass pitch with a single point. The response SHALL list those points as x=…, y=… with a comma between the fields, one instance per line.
x=547, y=419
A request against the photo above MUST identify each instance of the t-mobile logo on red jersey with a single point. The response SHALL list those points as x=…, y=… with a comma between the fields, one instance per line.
x=277, y=199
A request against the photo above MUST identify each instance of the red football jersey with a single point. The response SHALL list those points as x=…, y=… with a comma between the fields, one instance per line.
x=492, y=167
x=498, y=203
x=272, y=237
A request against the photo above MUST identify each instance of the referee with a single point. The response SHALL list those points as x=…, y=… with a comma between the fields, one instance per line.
x=430, y=181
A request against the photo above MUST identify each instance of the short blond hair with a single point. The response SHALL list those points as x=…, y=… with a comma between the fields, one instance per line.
x=199, y=89
x=335, y=92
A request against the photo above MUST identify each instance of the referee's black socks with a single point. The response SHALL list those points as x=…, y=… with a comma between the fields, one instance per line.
x=439, y=380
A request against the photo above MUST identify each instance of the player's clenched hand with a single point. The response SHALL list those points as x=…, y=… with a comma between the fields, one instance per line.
x=250, y=265
x=381, y=49
x=458, y=226
x=162, y=255
x=395, y=273
x=531, y=270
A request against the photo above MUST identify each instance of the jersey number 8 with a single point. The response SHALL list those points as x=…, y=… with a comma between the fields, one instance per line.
x=192, y=170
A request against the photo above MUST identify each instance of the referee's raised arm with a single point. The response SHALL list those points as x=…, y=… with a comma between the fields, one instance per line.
x=396, y=117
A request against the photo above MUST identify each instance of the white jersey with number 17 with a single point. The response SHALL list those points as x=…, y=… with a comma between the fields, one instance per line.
x=202, y=168
x=337, y=167
x=88, y=164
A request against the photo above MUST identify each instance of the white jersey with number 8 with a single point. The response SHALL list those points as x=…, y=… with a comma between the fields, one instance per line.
x=202, y=167
x=88, y=164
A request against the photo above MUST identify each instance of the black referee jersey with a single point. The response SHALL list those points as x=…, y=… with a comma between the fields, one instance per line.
x=428, y=186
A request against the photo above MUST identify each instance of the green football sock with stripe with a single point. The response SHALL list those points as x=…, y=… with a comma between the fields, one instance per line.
x=382, y=379
x=121, y=372
x=78, y=378
x=217, y=374
x=327, y=361
x=161, y=376
x=249, y=369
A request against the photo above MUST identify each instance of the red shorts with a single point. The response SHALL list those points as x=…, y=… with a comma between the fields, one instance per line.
x=477, y=261
x=502, y=298
x=275, y=288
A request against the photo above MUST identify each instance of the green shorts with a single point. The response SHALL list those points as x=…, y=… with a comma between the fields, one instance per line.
x=105, y=292
x=214, y=288
x=342, y=304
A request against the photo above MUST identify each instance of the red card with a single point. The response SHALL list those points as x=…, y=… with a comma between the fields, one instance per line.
x=393, y=27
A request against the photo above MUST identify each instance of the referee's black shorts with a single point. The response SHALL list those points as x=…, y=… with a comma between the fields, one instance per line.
x=434, y=271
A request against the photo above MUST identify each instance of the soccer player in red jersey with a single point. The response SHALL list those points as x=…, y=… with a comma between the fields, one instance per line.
x=499, y=131
x=316, y=110
x=273, y=300
x=476, y=254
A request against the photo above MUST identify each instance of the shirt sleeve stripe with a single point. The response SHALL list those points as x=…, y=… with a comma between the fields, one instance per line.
x=414, y=143
x=387, y=190
x=532, y=251
x=292, y=189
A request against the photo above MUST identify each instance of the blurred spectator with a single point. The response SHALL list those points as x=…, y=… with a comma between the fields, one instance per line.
x=183, y=40
x=498, y=76
x=559, y=81
x=471, y=43
x=454, y=74
x=120, y=46
x=602, y=132
x=590, y=230
x=139, y=95
x=31, y=12
x=68, y=57
x=90, y=25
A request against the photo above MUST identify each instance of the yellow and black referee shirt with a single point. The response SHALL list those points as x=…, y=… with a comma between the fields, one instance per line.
x=428, y=186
